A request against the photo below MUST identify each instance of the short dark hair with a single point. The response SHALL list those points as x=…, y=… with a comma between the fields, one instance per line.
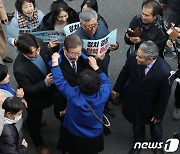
x=154, y=5
x=3, y=72
x=12, y=105
x=72, y=41
x=89, y=82
x=25, y=42
x=19, y=4
x=91, y=4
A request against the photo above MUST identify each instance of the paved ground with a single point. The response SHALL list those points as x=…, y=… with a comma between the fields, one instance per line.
x=118, y=14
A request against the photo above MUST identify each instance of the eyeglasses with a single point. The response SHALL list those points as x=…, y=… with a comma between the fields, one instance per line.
x=75, y=54
x=91, y=27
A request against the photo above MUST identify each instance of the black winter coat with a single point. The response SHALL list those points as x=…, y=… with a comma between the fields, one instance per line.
x=32, y=80
x=9, y=140
x=153, y=32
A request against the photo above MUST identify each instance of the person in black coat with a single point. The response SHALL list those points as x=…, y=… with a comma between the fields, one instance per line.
x=150, y=26
x=59, y=16
x=9, y=139
x=171, y=11
x=32, y=73
x=147, y=92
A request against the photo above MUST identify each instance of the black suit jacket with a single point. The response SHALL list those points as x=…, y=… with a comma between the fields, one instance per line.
x=71, y=77
x=32, y=80
x=148, y=96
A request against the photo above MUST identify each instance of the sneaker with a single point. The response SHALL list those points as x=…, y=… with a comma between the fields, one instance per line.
x=109, y=112
x=176, y=113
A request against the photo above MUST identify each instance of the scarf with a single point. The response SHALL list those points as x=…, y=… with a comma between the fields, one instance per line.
x=8, y=88
x=23, y=20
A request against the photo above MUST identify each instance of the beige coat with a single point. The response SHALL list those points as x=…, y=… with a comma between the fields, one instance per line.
x=3, y=44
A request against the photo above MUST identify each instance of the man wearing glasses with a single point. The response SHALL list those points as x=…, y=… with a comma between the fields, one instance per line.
x=33, y=75
x=73, y=62
x=93, y=28
x=150, y=25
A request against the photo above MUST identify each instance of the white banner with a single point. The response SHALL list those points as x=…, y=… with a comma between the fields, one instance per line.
x=95, y=47
x=45, y=36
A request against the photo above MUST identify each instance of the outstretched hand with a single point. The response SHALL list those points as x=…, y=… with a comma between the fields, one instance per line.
x=93, y=63
x=55, y=58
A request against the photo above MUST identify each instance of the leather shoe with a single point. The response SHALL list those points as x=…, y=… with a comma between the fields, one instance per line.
x=42, y=149
x=7, y=60
x=134, y=151
x=158, y=151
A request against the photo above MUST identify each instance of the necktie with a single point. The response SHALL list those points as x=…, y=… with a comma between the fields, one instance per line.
x=73, y=66
x=143, y=67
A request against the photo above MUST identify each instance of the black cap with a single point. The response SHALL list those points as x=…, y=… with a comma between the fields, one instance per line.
x=3, y=72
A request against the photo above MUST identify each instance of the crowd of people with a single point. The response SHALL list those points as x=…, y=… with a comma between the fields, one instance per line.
x=76, y=82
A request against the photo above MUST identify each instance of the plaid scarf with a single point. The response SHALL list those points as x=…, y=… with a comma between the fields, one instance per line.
x=23, y=20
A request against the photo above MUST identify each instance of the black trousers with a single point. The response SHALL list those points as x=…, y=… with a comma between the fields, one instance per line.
x=33, y=122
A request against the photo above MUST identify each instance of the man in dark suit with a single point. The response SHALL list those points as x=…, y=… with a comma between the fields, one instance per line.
x=32, y=74
x=147, y=91
x=73, y=62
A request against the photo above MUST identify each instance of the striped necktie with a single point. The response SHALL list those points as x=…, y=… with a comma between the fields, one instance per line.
x=73, y=66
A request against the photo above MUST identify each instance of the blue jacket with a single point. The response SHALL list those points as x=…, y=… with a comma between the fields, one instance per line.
x=79, y=119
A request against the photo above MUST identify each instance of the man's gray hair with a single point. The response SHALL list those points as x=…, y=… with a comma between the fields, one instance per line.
x=150, y=49
x=87, y=15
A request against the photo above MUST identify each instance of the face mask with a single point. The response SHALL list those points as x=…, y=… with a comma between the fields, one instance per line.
x=17, y=118
x=10, y=121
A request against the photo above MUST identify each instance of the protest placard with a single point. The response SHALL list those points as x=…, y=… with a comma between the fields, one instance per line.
x=71, y=28
x=95, y=47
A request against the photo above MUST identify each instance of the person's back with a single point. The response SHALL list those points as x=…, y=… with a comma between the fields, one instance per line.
x=81, y=129
x=9, y=138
